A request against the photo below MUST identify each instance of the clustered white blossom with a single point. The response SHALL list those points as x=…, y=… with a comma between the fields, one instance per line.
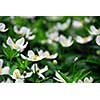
x=18, y=45
x=24, y=31
x=55, y=37
x=21, y=44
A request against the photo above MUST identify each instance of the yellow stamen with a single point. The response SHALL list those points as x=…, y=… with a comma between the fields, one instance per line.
x=85, y=38
x=35, y=57
x=15, y=46
x=17, y=75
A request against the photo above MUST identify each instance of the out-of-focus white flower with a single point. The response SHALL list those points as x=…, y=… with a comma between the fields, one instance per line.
x=98, y=40
x=65, y=42
x=63, y=26
x=4, y=70
x=19, y=45
x=2, y=27
x=86, y=80
x=59, y=78
x=87, y=20
x=77, y=24
x=53, y=37
x=24, y=31
x=47, y=55
x=17, y=76
x=83, y=40
x=39, y=71
x=93, y=30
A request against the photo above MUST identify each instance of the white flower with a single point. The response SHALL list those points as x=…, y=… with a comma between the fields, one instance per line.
x=24, y=31
x=63, y=26
x=2, y=27
x=41, y=55
x=19, y=45
x=4, y=70
x=77, y=24
x=47, y=55
x=65, y=42
x=53, y=37
x=93, y=30
x=17, y=76
x=86, y=80
x=32, y=56
x=39, y=71
x=83, y=40
x=59, y=78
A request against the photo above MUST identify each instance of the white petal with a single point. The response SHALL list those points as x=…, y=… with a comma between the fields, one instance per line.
x=58, y=80
x=22, y=47
x=23, y=56
x=2, y=27
x=83, y=40
x=91, y=79
x=64, y=41
x=30, y=53
x=79, y=39
x=40, y=52
x=41, y=75
x=16, y=29
x=80, y=81
x=20, y=42
x=44, y=69
x=10, y=42
x=35, y=68
x=98, y=40
x=53, y=56
x=87, y=80
x=24, y=30
x=1, y=62
x=31, y=37
x=28, y=74
x=5, y=70
x=94, y=31
x=59, y=77
x=77, y=24
x=25, y=45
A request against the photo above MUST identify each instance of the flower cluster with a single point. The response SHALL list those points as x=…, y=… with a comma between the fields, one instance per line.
x=49, y=49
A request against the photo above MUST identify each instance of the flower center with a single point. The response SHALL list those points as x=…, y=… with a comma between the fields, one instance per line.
x=17, y=75
x=35, y=57
x=15, y=46
x=85, y=38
